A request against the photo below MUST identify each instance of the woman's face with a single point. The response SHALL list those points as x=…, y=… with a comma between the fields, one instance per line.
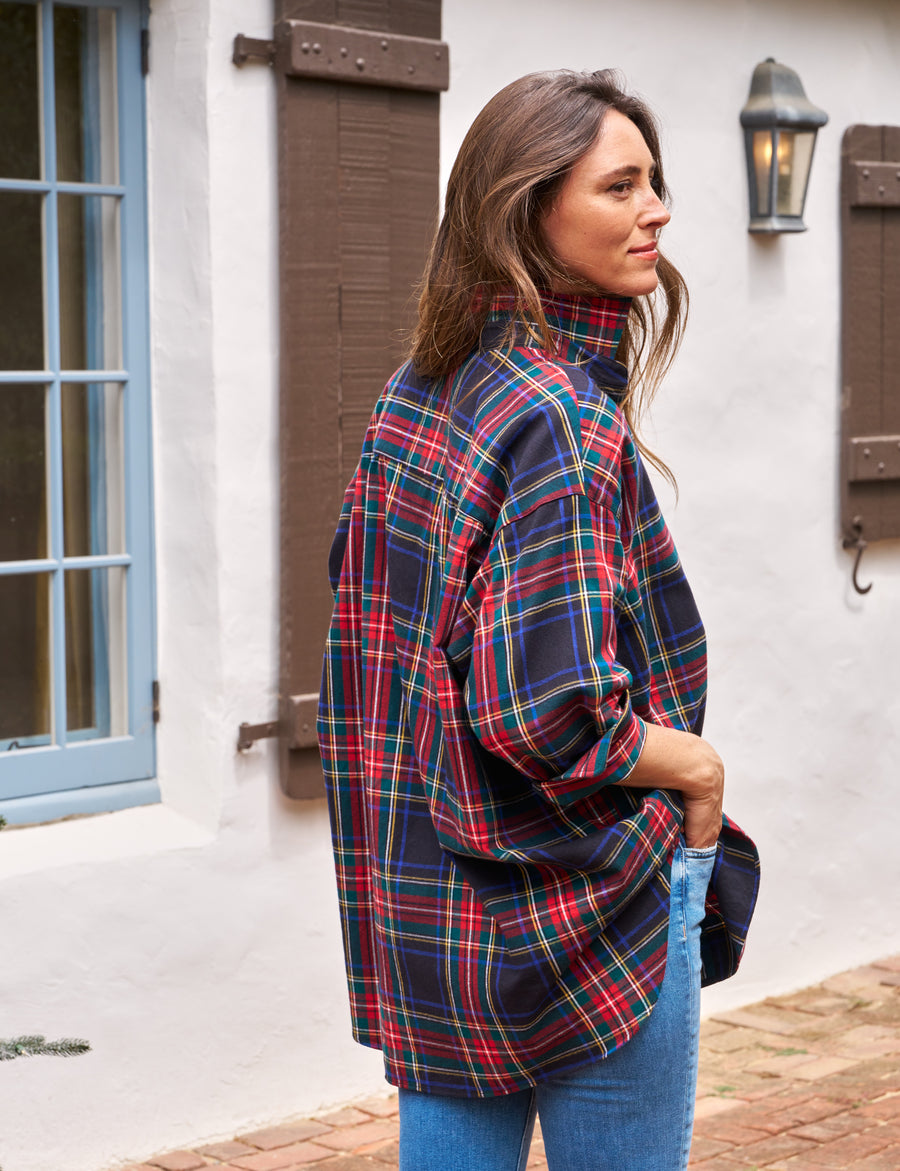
x=604, y=221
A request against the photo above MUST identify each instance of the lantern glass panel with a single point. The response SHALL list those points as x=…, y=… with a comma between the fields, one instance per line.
x=763, y=151
x=795, y=150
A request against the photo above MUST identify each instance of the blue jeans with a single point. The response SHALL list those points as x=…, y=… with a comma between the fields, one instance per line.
x=632, y=1111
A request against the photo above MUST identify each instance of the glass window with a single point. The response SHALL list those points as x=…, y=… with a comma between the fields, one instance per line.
x=25, y=663
x=794, y=161
x=762, y=169
x=23, y=477
x=90, y=300
x=20, y=142
x=84, y=41
x=21, y=286
x=75, y=525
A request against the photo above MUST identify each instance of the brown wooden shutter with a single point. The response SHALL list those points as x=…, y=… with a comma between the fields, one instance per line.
x=870, y=342
x=358, y=180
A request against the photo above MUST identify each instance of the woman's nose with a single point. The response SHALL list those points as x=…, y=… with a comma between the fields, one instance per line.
x=655, y=212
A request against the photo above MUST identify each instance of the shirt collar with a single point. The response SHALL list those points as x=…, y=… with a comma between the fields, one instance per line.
x=587, y=330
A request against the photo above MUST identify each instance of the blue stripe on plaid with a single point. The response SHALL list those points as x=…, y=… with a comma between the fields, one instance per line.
x=510, y=609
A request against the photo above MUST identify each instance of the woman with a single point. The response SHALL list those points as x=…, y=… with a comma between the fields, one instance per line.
x=525, y=817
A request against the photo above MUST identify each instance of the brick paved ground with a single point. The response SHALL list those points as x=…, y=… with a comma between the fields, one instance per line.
x=808, y=1082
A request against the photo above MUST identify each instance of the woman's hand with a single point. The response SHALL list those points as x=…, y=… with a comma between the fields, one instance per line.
x=671, y=759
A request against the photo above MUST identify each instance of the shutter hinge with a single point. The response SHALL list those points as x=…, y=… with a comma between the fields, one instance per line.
x=247, y=49
x=874, y=184
x=248, y=734
x=156, y=701
x=145, y=51
x=298, y=721
x=874, y=457
x=334, y=52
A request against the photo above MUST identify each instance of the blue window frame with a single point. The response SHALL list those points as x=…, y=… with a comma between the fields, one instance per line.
x=76, y=572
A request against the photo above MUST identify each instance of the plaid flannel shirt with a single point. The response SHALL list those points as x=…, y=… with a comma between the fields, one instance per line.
x=509, y=609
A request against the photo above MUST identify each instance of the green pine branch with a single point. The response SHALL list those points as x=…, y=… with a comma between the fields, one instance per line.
x=35, y=1046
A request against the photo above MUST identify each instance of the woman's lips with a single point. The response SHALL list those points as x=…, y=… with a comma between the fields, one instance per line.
x=647, y=251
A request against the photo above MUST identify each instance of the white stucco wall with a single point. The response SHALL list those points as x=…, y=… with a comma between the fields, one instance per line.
x=195, y=943
x=805, y=674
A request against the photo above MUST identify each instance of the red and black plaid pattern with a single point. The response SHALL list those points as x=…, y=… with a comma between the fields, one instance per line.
x=510, y=609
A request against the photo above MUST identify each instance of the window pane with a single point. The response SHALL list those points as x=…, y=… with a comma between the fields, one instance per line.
x=96, y=697
x=93, y=495
x=85, y=66
x=762, y=160
x=21, y=289
x=89, y=286
x=20, y=135
x=23, y=472
x=25, y=662
x=794, y=159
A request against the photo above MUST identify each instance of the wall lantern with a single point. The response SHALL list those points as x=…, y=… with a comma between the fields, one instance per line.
x=780, y=125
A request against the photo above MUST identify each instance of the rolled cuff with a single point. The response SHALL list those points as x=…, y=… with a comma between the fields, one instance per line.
x=609, y=761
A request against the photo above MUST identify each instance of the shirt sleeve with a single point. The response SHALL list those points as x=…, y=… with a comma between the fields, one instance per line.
x=544, y=690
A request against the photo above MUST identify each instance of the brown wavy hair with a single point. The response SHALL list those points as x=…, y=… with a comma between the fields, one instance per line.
x=510, y=167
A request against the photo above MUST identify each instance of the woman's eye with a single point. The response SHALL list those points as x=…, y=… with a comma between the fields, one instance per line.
x=623, y=187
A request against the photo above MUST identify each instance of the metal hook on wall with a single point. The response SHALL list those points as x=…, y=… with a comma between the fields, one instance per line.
x=860, y=544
